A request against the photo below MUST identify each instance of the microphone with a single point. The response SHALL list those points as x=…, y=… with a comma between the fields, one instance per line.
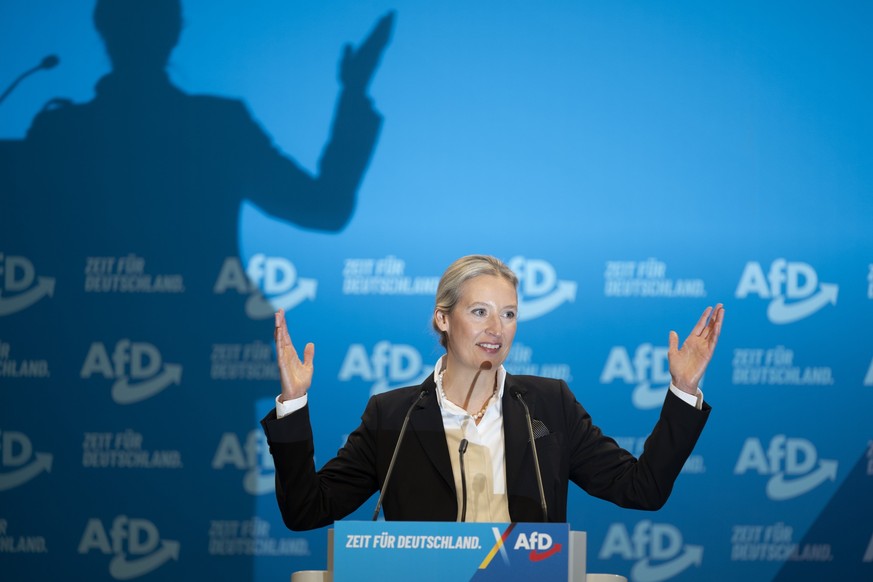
x=533, y=445
x=421, y=395
x=49, y=62
x=461, y=450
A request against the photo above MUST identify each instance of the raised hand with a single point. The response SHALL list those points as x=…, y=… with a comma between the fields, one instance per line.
x=357, y=66
x=296, y=376
x=688, y=363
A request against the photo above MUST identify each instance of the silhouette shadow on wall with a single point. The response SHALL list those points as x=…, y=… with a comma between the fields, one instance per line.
x=149, y=169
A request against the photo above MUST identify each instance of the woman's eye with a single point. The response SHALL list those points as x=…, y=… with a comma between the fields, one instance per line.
x=479, y=312
x=509, y=315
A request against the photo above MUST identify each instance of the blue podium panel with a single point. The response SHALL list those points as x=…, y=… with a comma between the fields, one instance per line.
x=388, y=551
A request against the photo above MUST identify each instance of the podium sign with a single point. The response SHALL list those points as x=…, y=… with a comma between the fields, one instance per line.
x=439, y=551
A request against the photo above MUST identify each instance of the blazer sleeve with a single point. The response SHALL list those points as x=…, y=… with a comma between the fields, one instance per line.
x=307, y=498
x=605, y=470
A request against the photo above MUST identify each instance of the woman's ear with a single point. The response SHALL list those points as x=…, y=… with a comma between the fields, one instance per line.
x=441, y=320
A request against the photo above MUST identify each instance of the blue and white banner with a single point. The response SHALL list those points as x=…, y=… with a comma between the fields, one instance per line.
x=173, y=171
x=367, y=550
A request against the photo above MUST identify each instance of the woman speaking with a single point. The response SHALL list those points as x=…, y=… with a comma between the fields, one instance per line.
x=466, y=433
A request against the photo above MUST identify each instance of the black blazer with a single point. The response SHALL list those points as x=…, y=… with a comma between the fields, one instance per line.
x=422, y=487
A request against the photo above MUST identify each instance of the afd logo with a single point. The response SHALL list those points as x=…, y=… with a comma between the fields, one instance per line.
x=136, y=367
x=388, y=366
x=793, y=464
x=539, y=287
x=793, y=290
x=253, y=457
x=19, y=463
x=540, y=545
x=648, y=370
x=270, y=282
x=657, y=548
x=132, y=542
x=21, y=287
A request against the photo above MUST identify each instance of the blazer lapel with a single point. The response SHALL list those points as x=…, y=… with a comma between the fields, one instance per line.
x=426, y=423
x=515, y=434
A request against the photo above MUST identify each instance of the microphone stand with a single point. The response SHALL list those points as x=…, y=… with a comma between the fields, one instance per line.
x=461, y=450
x=533, y=447
x=421, y=395
x=49, y=62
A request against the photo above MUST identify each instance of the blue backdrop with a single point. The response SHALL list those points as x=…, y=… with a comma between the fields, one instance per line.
x=632, y=162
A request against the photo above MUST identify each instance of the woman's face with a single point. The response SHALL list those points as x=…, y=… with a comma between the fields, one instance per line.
x=481, y=326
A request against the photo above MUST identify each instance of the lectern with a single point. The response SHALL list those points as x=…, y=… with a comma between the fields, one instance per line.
x=439, y=551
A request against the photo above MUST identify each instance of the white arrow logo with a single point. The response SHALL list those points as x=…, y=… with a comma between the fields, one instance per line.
x=257, y=307
x=121, y=569
x=778, y=489
x=125, y=393
x=531, y=309
x=43, y=462
x=645, y=572
x=645, y=397
x=45, y=286
x=780, y=313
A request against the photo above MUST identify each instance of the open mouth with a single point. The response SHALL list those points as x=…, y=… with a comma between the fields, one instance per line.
x=490, y=347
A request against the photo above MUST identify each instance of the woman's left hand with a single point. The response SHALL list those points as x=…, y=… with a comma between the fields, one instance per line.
x=688, y=363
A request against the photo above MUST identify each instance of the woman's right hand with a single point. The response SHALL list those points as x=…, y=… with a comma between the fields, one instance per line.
x=296, y=376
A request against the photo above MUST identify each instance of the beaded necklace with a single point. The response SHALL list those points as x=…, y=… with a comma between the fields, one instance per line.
x=478, y=416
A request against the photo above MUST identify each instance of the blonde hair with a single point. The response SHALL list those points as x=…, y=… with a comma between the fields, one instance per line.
x=462, y=270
